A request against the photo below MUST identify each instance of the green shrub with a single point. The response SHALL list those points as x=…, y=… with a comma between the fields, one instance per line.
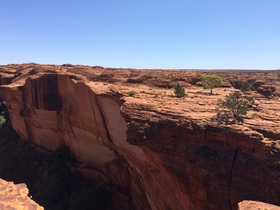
x=243, y=86
x=131, y=93
x=4, y=114
x=2, y=121
x=235, y=106
x=246, y=86
x=210, y=81
x=179, y=91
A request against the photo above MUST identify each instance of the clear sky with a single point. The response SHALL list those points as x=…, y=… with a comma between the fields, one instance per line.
x=174, y=34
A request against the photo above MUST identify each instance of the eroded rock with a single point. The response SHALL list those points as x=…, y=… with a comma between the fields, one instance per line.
x=168, y=153
x=15, y=196
x=251, y=205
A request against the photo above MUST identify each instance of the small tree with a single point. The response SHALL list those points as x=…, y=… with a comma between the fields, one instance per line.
x=179, y=91
x=235, y=105
x=131, y=93
x=242, y=85
x=210, y=81
x=4, y=114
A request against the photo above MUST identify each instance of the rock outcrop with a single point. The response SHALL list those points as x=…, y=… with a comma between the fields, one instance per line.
x=168, y=153
x=15, y=196
x=251, y=205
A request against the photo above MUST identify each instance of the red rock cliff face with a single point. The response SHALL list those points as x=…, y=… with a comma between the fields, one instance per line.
x=165, y=155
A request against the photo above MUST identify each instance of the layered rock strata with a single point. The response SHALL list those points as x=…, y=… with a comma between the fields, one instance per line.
x=168, y=153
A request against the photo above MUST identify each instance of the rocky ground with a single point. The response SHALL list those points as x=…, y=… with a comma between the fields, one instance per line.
x=165, y=151
x=15, y=196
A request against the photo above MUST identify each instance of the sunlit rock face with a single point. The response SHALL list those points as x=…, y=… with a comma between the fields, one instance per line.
x=167, y=153
x=249, y=205
x=15, y=196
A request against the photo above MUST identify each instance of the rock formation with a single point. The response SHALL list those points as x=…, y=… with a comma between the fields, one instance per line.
x=15, y=196
x=250, y=205
x=168, y=153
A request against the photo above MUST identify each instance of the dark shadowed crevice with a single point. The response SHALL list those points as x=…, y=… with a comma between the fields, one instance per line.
x=25, y=113
x=94, y=111
x=104, y=119
x=50, y=177
x=45, y=93
x=230, y=177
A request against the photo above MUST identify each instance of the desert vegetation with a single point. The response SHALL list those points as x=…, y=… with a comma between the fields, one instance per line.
x=234, y=106
x=160, y=117
x=179, y=91
x=242, y=85
x=3, y=113
x=211, y=81
x=131, y=93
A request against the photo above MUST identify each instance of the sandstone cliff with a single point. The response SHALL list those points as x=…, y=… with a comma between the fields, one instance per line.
x=168, y=153
x=16, y=197
x=250, y=205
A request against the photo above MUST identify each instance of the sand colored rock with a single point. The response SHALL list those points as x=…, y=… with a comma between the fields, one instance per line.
x=252, y=205
x=169, y=153
x=15, y=197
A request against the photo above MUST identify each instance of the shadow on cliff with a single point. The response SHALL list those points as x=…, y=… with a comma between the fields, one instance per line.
x=48, y=175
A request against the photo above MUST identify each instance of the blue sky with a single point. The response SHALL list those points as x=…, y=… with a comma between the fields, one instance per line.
x=171, y=34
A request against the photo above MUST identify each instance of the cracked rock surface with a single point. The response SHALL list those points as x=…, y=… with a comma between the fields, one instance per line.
x=169, y=153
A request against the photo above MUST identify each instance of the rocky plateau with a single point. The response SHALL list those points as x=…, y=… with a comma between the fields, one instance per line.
x=126, y=128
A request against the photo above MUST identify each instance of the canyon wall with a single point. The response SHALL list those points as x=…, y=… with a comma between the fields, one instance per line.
x=163, y=159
